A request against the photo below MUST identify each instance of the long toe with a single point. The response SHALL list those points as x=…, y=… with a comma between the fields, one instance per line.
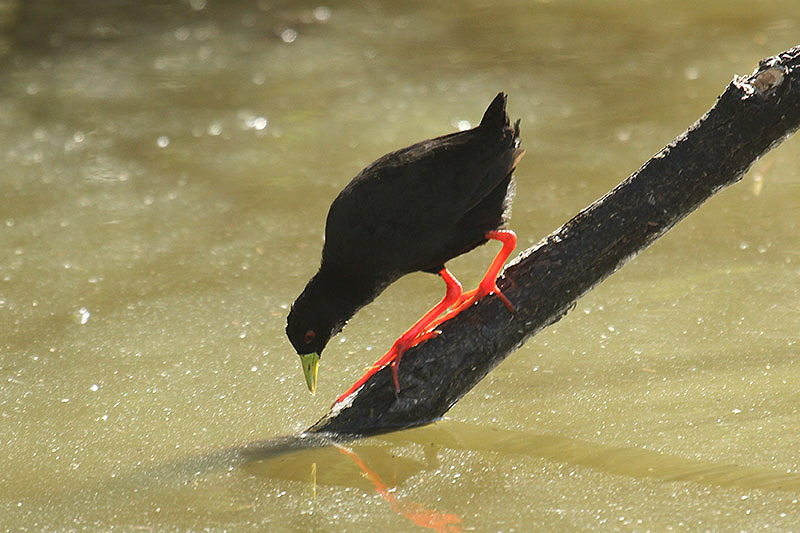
x=505, y=300
x=395, y=367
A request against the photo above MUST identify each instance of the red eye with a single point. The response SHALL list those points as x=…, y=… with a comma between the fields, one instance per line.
x=310, y=336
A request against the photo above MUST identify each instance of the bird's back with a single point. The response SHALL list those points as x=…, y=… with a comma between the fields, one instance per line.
x=418, y=207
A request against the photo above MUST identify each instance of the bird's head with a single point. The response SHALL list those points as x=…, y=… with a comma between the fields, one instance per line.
x=309, y=328
x=319, y=313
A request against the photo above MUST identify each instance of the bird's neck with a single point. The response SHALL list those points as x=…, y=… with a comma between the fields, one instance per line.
x=345, y=291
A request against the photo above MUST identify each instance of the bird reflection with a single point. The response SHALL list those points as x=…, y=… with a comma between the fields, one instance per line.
x=382, y=468
x=329, y=468
x=417, y=513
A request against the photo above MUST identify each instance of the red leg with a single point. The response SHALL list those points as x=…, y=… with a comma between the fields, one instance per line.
x=421, y=516
x=420, y=331
x=488, y=284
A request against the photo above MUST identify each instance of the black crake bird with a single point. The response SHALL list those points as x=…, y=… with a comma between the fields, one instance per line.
x=411, y=210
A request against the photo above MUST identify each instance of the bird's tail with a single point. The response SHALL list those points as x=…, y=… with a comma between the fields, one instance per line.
x=495, y=117
x=495, y=120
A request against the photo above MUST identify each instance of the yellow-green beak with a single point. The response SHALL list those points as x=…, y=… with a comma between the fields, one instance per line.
x=310, y=364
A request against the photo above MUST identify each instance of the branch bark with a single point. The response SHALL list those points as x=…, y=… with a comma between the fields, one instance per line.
x=754, y=114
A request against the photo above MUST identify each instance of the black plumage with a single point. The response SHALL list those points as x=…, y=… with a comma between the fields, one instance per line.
x=411, y=210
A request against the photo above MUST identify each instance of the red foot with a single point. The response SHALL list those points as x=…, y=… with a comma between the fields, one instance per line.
x=415, y=512
x=488, y=284
x=454, y=300
x=420, y=331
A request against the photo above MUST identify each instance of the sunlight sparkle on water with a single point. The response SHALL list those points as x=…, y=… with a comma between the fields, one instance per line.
x=322, y=13
x=252, y=122
x=82, y=315
x=215, y=128
x=288, y=35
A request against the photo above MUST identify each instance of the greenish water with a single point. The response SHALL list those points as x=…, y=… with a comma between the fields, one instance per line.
x=166, y=168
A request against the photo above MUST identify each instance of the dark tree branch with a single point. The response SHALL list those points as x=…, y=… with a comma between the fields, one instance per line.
x=754, y=114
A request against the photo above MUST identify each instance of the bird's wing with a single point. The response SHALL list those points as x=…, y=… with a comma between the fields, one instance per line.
x=431, y=183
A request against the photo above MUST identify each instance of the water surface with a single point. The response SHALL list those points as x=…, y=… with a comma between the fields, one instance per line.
x=166, y=171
